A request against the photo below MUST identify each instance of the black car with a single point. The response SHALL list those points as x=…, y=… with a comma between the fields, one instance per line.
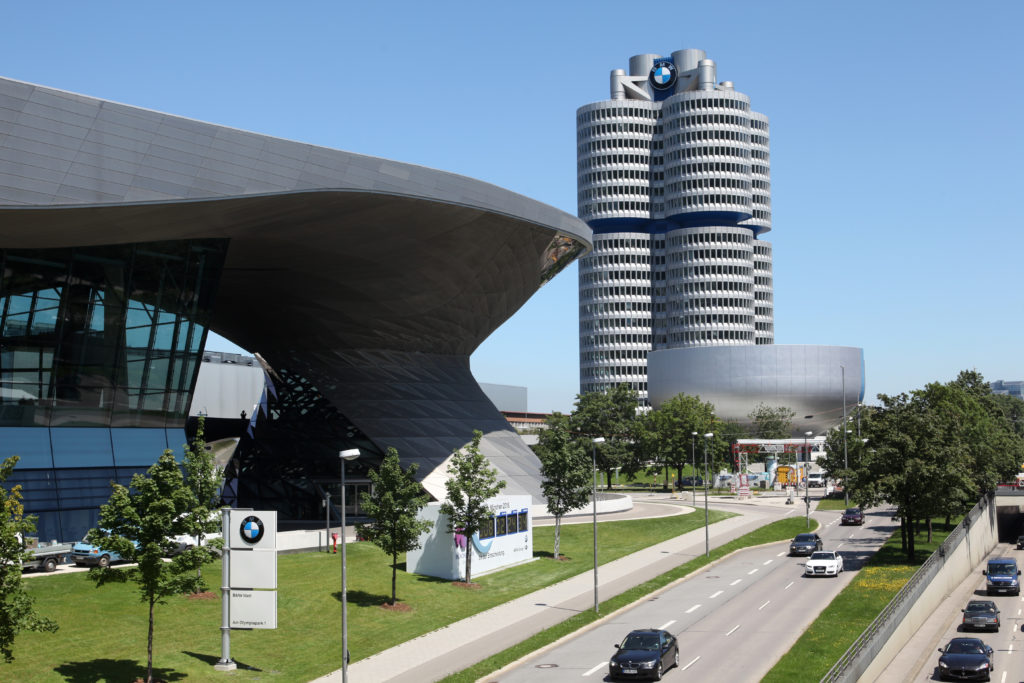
x=981, y=614
x=645, y=653
x=852, y=516
x=965, y=659
x=805, y=544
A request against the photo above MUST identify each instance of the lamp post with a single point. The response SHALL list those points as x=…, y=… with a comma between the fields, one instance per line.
x=693, y=466
x=807, y=483
x=707, y=540
x=593, y=454
x=350, y=454
x=846, y=463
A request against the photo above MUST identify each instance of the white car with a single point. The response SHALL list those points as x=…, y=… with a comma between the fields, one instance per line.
x=824, y=563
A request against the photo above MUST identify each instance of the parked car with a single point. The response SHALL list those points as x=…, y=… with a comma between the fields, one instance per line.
x=965, y=659
x=805, y=544
x=852, y=516
x=981, y=614
x=824, y=563
x=1002, y=576
x=644, y=653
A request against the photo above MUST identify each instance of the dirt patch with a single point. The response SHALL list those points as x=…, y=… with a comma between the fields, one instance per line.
x=205, y=595
x=397, y=607
x=469, y=586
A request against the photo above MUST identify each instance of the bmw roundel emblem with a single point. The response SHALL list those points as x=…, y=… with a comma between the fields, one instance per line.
x=251, y=529
x=663, y=75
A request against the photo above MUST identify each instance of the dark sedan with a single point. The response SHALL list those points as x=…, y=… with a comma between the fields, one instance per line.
x=981, y=614
x=852, y=516
x=805, y=544
x=965, y=659
x=646, y=653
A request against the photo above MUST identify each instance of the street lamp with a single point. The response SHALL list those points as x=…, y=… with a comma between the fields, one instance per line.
x=807, y=483
x=593, y=453
x=693, y=466
x=707, y=540
x=350, y=454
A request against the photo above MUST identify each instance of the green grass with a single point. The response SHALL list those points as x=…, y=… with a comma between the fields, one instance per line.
x=835, y=629
x=776, y=531
x=102, y=633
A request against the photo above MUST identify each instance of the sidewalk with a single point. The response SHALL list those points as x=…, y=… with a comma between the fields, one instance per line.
x=437, y=654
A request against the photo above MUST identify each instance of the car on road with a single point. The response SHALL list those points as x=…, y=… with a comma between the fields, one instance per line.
x=805, y=544
x=644, y=653
x=965, y=659
x=1002, y=576
x=981, y=614
x=852, y=516
x=824, y=563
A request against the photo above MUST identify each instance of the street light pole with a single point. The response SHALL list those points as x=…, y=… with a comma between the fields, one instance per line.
x=807, y=481
x=693, y=466
x=707, y=540
x=350, y=454
x=846, y=462
x=593, y=453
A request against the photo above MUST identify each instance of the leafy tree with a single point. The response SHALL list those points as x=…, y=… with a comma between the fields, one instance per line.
x=612, y=415
x=772, y=422
x=140, y=523
x=565, y=466
x=394, y=502
x=203, y=478
x=471, y=483
x=16, y=605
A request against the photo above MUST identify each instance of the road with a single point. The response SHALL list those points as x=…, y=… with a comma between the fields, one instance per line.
x=733, y=620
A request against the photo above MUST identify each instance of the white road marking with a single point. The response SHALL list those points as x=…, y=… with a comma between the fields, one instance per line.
x=732, y=630
x=695, y=607
x=752, y=571
x=715, y=595
x=665, y=626
x=789, y=584
x=596, y=668
x=764, y=605
x=735, y=582
x=690, y=663
x=766, y=563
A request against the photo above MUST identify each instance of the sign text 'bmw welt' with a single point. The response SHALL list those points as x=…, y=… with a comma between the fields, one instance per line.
x=252, y=570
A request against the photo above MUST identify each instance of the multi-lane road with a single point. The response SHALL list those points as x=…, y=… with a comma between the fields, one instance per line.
x=733, y=620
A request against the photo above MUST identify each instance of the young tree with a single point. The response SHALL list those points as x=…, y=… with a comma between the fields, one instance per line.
x=394, y=502
x=16, y=605
x=203, y=478
x=772, y=422
x=139, y=523
x=612, y=415
x=565, y=466
x=471, y=483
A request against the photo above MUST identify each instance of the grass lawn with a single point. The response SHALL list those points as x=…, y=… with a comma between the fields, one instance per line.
x=102, y=633
x=776, y=531
x=835, y=629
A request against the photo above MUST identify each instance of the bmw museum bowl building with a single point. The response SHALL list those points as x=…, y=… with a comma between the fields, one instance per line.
x=363, y=285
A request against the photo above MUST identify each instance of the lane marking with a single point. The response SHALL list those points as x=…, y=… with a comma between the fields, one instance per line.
x=735, y=582
x=764, y=605
x=789, y=584
x=596, y=668
x=691, y=663
x=732, y=630
x=695, y=607
x=714, y=595
x=752, y=571
x=766, y=563
x=664, y=627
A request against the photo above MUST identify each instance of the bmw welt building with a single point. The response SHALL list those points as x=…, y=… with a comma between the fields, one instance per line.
x=362, y=284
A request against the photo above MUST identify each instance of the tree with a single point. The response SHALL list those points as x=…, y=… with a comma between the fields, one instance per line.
x=565, y=467
x=16, y=605
x=203, y=478
x=139, y=522
x=772, y=422
x=612, y=415
x=471, y=483
x=394, y=502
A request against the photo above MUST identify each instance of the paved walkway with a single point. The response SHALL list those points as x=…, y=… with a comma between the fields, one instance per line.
x=453, y=648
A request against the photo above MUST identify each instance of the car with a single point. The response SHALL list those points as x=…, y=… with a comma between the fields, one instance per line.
x=852, y=516
x=981, y=614
x=644, y=653
x=805, y=544
x=1002, y=576
x=965, y=659
x=1020, y=542
x=824, y=563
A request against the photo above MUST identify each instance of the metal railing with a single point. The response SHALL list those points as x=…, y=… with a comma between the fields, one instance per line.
x=859, y=656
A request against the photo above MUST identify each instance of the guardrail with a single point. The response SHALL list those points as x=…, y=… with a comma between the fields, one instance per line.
x=856, y=659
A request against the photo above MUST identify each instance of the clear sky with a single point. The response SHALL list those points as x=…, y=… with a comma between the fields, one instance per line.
x=896, y=138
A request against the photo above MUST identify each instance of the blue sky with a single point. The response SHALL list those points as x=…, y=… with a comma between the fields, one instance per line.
x=895, y=136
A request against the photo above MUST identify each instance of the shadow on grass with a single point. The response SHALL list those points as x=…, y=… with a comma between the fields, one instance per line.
x=112, y=670
x=213, y=659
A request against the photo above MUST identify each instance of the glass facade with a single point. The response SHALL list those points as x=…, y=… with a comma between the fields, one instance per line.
x=99, y=351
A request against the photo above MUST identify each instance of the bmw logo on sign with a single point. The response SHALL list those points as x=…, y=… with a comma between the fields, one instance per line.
x=251, y=529
x=663, y=75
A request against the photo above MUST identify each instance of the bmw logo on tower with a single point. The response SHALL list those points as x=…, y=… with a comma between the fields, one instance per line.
x=251, y=529
x=663, y=75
